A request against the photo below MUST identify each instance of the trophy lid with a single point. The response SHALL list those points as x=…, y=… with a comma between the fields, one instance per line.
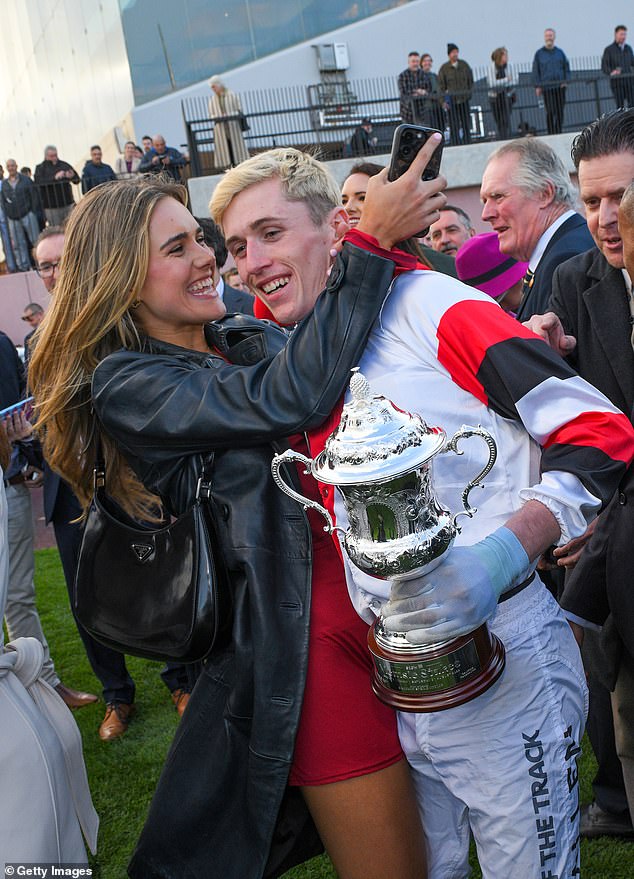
x=375, y=441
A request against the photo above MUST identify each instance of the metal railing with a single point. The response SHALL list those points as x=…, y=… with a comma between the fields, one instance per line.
x=323, y=117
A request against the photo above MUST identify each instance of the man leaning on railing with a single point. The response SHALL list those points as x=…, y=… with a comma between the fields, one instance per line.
x=618, y=63
x=53, y=177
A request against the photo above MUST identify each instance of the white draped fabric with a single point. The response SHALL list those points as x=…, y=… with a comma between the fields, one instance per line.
x=45, y=801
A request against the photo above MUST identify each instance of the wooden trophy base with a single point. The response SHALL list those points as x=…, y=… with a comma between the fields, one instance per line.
x=436, y=676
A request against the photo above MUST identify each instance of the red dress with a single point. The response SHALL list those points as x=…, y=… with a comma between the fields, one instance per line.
x=344, y=731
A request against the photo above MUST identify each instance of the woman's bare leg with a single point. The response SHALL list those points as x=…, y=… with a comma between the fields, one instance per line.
x=370, y=825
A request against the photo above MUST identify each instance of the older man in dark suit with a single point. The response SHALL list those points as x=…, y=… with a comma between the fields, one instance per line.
x=529, y=201
x=592, y=299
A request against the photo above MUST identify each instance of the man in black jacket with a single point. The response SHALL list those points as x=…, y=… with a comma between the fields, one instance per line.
x=53, y=177
x=361, y=144
x=591, y=298
x=618, y=63
x=455, y=80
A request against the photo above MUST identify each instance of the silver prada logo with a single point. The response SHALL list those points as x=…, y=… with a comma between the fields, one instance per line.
x=142, y=550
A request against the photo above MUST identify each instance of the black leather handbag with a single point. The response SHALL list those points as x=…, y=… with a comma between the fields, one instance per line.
x=159, y=594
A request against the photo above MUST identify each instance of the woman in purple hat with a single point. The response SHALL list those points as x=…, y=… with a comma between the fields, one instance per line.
x=480, y=264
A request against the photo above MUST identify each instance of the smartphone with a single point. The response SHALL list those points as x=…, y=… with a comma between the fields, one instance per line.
x=26, y=405
x=408, y=139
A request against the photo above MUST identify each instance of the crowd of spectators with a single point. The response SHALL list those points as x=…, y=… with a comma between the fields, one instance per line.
x=439, y=100
x=30, y=203
x=540, y=261
x=442, y=100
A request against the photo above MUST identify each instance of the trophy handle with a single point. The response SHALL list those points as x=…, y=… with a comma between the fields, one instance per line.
x=285, y=458
x=452, y=446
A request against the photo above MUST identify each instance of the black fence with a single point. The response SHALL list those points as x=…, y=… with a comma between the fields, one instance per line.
x=323, y=117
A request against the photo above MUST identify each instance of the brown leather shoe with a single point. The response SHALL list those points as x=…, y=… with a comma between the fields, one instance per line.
x=115, y=723
x=75, y=698
x=180, y=698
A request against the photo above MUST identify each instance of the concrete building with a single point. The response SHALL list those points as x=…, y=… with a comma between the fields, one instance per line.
x=103, y=71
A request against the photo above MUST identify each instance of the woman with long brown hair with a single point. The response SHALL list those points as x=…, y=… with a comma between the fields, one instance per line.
x=127, y=355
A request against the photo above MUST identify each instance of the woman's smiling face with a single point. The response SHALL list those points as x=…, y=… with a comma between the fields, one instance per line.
x=178, y=295
x=353, y=196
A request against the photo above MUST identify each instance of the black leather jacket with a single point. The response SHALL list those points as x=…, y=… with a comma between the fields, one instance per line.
x=222, y=808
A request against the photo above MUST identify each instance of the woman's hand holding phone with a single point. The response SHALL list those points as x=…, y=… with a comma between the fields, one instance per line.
x=17, y=426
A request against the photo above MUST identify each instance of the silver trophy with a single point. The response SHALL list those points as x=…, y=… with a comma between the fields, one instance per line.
x=380, y=459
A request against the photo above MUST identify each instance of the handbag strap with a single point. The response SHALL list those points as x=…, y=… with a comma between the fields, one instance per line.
x=203, y=487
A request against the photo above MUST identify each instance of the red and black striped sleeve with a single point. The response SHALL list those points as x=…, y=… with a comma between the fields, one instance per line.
x=517, y=375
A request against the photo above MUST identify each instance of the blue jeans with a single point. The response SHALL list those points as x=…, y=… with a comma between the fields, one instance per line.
x=6, y=244
x=24, y=234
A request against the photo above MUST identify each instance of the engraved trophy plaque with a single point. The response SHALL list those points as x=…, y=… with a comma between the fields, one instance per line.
x=380, y=459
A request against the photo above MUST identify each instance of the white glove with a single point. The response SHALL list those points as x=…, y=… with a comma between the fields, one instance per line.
x=461, y=593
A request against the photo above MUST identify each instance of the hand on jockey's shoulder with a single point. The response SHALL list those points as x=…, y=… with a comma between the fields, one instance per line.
x=550, y=329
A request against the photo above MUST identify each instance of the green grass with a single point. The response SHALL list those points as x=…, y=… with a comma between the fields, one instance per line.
x=123, y=773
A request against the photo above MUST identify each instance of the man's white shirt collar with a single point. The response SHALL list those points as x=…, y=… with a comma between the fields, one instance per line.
x=543, y=242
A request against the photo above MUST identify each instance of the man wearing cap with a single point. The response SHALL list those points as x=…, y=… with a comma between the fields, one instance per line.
x=480, y=264
x=529, y=201
x=361, y=144
x=33, y=316
x=455, y=79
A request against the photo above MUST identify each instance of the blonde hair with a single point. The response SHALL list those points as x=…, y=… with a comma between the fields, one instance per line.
x=103, y=268
x=303, y=178
x=496, y=54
